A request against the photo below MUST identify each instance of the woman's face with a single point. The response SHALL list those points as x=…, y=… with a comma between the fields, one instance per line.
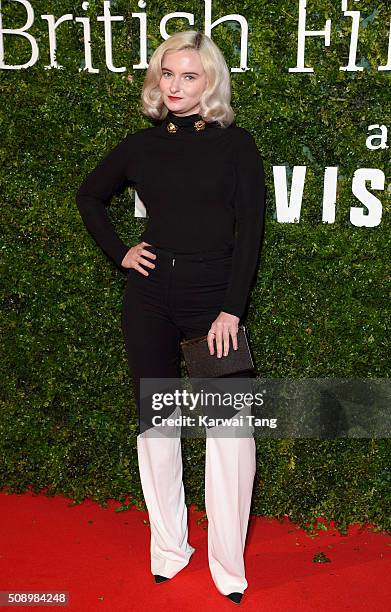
x=183, y=81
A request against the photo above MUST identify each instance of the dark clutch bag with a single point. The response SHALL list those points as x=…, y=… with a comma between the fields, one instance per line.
x=201, y=364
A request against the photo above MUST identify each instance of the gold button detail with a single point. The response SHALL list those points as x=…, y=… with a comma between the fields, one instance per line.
x=199, y=125
x=172, y=128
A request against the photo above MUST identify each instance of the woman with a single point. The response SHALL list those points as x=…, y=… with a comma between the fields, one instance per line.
x=200, y=178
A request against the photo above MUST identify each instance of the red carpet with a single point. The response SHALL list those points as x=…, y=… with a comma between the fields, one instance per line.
x=101, y=558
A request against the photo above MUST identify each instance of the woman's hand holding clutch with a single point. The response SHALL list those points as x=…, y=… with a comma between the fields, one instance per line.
x=222, y=329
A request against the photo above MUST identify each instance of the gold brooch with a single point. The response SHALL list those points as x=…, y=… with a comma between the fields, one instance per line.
x=171, y=127
x=198, y=125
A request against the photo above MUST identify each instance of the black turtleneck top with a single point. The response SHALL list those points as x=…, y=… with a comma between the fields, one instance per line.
x=202, y=189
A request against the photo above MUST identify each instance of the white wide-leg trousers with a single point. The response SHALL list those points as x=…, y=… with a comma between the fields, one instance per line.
x=230, y=466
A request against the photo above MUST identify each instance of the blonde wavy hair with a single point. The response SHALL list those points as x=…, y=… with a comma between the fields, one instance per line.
x=215, y=100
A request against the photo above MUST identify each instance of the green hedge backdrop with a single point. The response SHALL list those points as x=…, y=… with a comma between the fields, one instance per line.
x=320, y=306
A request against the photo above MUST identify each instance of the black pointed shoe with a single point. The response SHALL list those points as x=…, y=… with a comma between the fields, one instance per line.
x=160, y=578
x=235, y=597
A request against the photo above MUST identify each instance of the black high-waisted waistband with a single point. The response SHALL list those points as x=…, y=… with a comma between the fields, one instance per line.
x=201, y=255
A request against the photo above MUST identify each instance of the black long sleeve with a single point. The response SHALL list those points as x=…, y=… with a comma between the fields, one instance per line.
x=203, y=190
x=249, y=213
x=94, y=195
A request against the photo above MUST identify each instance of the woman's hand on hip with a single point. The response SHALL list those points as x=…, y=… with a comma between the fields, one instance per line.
x=136, y=256
x=222, y=329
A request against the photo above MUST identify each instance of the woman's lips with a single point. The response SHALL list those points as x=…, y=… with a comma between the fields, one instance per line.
x=174, y=98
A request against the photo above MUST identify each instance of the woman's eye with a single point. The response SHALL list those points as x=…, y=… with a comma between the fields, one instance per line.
x=189, y=76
